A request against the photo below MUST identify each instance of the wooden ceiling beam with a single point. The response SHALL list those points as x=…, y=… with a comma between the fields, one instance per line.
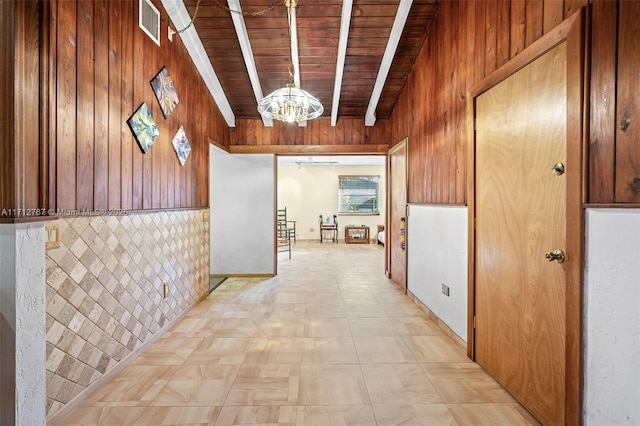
x=180, y=17
x=245, y=46
x=345, y=24
x=396, y=32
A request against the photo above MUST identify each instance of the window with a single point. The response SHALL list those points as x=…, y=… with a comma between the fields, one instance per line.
x=358, y=194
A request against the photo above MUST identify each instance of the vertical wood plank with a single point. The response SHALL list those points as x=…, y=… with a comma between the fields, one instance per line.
x=156, y=150
x=479, y=65
x=170, y=126
x=627, y=168
x=148, y=71
x=27, y=87
x=84, y=190
x=177, y=185
x=447, y=179
x=517, y=27
x=7, y=105
x=553, y=12
x=268, y=136
x=115, y=104
x=503, y=31
x=126, y=179
x=49, y=118
x=339, y=132
x=137, y=157
x=324, y=133
x=427, y=171
x=533, y=30
x=602, y=123
x=47, y=105
x=66, y=107
x=491, y=41
x=101, y=112
x=459, y=151
x=572, y=6
x=471, y=43
x=170, y=166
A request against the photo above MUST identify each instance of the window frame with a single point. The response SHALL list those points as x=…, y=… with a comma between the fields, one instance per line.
x=359, y=213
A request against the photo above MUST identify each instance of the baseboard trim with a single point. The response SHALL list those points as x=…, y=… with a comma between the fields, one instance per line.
x=63, y=412
x=241, y=275
x=441, y=324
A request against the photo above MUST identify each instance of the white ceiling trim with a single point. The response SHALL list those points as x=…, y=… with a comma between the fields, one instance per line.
x=345, y=24
x=387, y=59
x=180, y=17
x=247, y=53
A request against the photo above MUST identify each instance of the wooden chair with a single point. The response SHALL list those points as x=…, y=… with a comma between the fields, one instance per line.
x=329, y=224
x=283, y=237
x=284, y=223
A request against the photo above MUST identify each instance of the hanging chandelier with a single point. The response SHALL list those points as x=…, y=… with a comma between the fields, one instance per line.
x=290, y=104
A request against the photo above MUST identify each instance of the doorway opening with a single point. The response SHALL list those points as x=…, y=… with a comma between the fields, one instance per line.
x=348, y=190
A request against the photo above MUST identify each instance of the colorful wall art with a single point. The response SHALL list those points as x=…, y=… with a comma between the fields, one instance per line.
x=162, y=86
x=181, y=145
x=143, y=127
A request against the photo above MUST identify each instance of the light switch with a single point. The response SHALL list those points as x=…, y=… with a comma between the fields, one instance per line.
x=52, y=231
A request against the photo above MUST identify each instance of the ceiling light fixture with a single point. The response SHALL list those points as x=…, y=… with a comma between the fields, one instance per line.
x=290, y=104
x=311, y=162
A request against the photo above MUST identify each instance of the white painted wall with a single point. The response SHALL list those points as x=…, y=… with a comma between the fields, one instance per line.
x=612, y=317
x=437, y=254
x=242, y=213
x=309, y=191
x=23, y=324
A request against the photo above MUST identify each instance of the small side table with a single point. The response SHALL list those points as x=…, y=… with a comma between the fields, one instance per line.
x=356, y=234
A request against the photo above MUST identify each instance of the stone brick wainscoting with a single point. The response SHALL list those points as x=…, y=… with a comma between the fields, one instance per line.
x=105, y=291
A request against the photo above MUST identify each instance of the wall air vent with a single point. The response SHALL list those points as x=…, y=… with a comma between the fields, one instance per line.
x=150, y=20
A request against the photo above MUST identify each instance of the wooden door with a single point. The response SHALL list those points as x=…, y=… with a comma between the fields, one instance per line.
x=397, y=223
x=527, y=315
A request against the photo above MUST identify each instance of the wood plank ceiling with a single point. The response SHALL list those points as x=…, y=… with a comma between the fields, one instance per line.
x=318, y=25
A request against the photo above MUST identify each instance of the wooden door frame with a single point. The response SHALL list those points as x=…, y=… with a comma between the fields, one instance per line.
x=404, y=143
x=570, y=31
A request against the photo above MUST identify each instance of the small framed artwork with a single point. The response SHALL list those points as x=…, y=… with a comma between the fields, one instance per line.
x=162, y=86
x=143, y=127
x=181, y=145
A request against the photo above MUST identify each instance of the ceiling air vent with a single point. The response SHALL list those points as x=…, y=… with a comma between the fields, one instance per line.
x=150, y=20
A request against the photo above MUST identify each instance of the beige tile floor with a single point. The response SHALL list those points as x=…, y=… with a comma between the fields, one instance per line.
x=328, y=342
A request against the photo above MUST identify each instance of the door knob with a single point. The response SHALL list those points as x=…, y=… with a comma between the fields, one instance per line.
x=556, y=255
x=558, y=169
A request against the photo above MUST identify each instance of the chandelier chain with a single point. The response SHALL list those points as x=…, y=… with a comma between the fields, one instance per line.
x=228, y=9
x=243, y=13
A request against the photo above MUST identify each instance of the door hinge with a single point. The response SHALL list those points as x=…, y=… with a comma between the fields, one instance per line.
x=474, y=322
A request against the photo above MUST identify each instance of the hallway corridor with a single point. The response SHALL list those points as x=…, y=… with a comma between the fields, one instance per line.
x=329, y=341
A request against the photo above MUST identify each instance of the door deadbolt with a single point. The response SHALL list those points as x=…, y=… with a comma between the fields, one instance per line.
x=556, y=255
x=558, y=169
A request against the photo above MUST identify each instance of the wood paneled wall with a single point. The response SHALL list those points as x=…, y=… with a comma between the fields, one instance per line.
x=20, y=180
x=349, y=135
x=614, y=148
x=470, y=39
x=103, y=66
x=7, y=79
x=466, y=42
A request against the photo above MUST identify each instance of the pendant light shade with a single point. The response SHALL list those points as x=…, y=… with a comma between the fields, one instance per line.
x=290, y=104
